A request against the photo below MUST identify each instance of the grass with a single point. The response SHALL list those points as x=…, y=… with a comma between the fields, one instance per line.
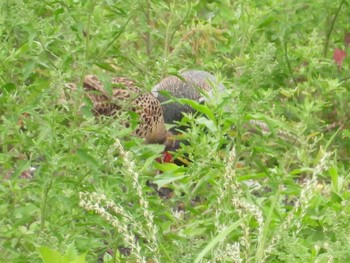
x=250, y=194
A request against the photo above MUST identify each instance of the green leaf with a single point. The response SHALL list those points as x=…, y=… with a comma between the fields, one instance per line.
x=172, y=173
x=80, y=259
x=199, y=107
x=333, y=172
x=9, y=87
x=105, y=66
x=166, y=180
x=4, y=158
x=71, y=253
x=85, y=156
x=167, y=167
x=49, y=255
x=207, y=123
x=220, y=237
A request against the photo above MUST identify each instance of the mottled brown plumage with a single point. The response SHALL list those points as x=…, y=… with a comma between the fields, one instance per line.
x=123, y=95
x=196, y=85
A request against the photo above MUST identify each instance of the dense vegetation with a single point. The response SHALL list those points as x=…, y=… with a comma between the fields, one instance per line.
x=268, y=179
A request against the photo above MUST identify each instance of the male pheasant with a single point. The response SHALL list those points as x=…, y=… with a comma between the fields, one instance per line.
x=196, y=85
x=125, y=95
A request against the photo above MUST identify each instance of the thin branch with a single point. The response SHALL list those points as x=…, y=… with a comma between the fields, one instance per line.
x=331, y=28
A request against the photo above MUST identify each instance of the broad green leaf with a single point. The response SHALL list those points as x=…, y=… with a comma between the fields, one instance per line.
x=167, y=167
x=80, y=259
x=172, y=173
x=207, y=123
x=199, y=107
x=163, y=181
x=49, y=255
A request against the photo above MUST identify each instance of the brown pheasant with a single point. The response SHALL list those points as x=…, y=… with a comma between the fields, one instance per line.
x=124, y=95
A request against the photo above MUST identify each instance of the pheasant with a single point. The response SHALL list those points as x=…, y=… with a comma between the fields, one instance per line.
x=196, y=85
x=124, y=95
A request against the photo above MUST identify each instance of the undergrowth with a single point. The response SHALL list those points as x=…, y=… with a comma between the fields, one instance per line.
x=267, y=178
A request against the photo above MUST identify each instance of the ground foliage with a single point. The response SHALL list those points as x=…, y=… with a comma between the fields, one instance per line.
x=250, y=194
